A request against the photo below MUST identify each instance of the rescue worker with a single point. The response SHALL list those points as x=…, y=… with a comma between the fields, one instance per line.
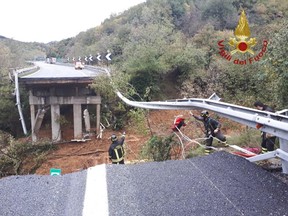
x=116, y=149
x=178, y=123
x=267, y=140
x=212, y=129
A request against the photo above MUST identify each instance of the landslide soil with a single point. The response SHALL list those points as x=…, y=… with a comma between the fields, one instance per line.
x=75, y=156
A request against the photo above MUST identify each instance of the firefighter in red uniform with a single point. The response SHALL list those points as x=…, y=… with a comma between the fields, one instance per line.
x=116, y=149
x=178, y=123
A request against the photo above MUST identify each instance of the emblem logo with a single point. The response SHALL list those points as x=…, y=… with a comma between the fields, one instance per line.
x=242, y=33
x=242, y=43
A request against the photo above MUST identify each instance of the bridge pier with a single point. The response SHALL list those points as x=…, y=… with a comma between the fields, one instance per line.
x=98, y=118
x=77, y=120
x=32, y=116
x=55, y=122
x=55, y=102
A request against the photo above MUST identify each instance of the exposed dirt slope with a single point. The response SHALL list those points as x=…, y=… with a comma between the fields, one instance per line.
x=75, y=156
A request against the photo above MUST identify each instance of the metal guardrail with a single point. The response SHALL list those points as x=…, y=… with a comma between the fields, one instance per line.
x=16, y=74
x=273, y=123
x=88, y=67
x=28, y=70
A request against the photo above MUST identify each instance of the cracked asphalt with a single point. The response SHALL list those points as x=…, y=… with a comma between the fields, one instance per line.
x=219, y=184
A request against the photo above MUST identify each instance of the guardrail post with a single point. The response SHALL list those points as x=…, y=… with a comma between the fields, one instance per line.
x=284, y=147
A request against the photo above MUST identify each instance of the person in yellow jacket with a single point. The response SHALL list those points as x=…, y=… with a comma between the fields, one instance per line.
x=116, y=149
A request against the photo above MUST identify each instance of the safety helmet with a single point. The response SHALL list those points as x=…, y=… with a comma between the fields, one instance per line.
x=113, y=137
x=204, y=113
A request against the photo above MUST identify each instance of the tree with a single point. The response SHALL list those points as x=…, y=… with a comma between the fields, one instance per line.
x=277, y=57
x=220, y=13
x=12, y=55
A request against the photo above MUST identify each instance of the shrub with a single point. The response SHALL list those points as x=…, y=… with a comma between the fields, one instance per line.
x=158, y=148
x=14, y=159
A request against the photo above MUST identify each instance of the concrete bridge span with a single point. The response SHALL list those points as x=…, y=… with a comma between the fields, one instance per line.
x=52, y=86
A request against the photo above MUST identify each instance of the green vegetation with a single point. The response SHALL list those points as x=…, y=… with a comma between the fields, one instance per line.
x=13, y=55
x=167, y=49
x=165, y=148
x=163, y=43
x=14, y=154
x=158, y=148
x=247, y=138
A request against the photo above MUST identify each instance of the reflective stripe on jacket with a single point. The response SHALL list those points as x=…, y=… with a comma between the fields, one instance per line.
x=116, y=150
x=118, y=153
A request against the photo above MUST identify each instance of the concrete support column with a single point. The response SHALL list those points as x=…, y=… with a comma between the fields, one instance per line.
x=284, y=147
x=55, y=123
x=77, y=114
x=97, y=118
x=32, y=114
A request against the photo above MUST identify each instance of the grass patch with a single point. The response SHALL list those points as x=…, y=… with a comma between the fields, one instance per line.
x=247, y=138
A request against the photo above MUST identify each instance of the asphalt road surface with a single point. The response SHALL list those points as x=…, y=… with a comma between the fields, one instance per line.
x=50, y=71
x=219, y=184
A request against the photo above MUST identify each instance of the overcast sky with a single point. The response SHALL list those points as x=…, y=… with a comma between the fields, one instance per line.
x=54, y=20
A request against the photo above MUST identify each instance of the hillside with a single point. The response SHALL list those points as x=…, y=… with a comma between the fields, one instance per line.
x=178, y=41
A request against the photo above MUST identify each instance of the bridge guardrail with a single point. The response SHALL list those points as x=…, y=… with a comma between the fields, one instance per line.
x=25, y=71
x=89, y=67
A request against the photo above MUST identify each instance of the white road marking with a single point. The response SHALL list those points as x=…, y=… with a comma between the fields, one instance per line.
x=96, y=198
